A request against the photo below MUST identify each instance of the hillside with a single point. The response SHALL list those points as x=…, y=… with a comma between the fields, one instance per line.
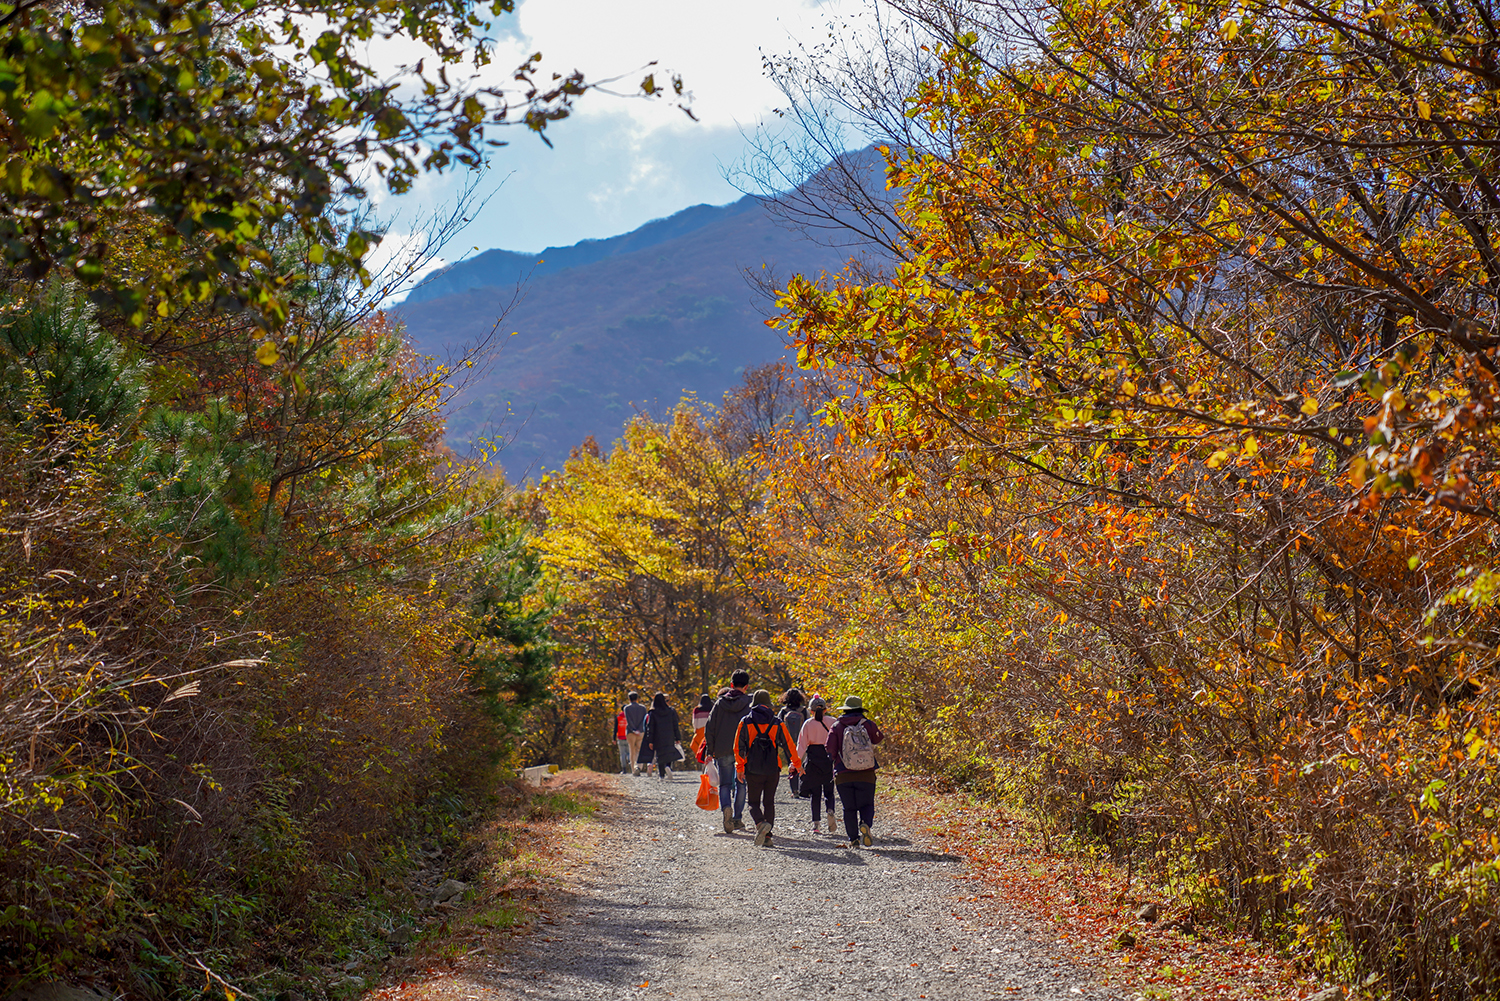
x=505, y=268
x=608, y=326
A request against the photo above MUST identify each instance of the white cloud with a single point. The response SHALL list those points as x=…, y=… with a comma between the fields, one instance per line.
x=400, y=261
x=620, y=161
x=715, y=46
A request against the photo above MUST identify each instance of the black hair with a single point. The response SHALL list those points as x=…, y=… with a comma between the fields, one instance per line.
x=818, y=713
x=635, y=696
x=707, y=702
x=793, y=699
x=659, y=700
x=739, y=679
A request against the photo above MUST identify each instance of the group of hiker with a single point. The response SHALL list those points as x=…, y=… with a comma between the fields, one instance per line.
x=647, y=736
x=745, y=743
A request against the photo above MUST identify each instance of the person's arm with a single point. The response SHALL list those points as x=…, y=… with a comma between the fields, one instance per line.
x=710, y=729
x=740, y=748
x=802, y=744
x=835, y=744
x=786, y=740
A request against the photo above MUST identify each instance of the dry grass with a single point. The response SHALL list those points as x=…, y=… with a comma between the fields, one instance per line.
x=525, y=852
x=1089, y=904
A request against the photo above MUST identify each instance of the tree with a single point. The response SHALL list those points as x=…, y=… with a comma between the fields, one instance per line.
x=652, y=548
x=214, y=128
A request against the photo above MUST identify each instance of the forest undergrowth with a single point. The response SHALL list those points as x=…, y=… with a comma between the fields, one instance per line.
x=514, y=858
x=1093, y=904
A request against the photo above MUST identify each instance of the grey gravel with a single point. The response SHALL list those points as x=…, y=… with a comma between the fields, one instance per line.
x=675, y=907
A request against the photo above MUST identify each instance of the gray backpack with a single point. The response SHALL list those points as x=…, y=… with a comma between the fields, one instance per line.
x=856, y=750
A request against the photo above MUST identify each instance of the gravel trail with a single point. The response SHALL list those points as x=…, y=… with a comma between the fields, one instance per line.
x=672, y=906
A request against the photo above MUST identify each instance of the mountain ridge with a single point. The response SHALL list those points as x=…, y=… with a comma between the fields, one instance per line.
x=498, y=268
x=604, y=328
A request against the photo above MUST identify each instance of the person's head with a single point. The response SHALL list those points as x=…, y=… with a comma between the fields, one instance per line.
x=792, y=699
x=818, y=707
x=852, y=704
x=635, y=696
x=760, y=698
x=740, y=680
x=659, y=700
x=707, y=702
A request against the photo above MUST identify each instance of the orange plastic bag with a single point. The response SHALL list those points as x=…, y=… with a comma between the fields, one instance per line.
x=708, y=796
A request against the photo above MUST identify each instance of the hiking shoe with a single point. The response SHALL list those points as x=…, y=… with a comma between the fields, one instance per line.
x=854, y=846
x=768, y=840
x=761, y=830
x=864, y=835
x=729, y=820
x=667, y=774
x=739, y=824
x=815, y=828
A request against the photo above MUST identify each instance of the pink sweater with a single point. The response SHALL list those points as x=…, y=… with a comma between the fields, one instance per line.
x=813, y=732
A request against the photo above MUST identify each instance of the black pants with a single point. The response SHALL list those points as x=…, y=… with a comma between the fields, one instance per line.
x=820, y=792
x=762, y=789
x=859, y=806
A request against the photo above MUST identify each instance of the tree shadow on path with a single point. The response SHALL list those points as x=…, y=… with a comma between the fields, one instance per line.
x=903, y=855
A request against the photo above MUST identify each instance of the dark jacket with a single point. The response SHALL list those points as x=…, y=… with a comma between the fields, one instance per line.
x=662, y=732
x=793, y=718
x=635, y=715
x=836, y=744
x=718, y=734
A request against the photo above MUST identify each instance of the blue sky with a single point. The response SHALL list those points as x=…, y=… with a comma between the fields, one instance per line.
x=620, y=162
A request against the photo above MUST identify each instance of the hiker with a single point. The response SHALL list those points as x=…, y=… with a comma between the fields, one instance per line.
x=663, y=736
x=817, y=766
x=620, y=728
x=701, y=713
x=762, y=747
x=851, y=745
x=791, y=714
x=718, y=735
x=635, y=722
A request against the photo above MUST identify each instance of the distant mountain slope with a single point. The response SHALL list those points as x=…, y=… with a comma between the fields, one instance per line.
x=504, y=268
x=638, y=322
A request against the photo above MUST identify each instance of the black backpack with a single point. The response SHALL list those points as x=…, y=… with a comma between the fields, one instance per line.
x=762, y=758
x=817, y=767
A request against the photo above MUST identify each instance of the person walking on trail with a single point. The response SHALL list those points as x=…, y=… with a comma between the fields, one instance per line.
x=851, y=745
x=718, y=735
x=625, y=756
x=791, y=714
x=817, y=766
x=663, y=735
x=635, y=726
x=701, y=713
x=762, y=747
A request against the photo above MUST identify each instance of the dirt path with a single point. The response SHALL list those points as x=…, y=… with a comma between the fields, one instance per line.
x=667, y=905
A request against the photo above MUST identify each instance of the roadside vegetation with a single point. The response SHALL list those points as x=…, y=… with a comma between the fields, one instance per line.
x=264, y=640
